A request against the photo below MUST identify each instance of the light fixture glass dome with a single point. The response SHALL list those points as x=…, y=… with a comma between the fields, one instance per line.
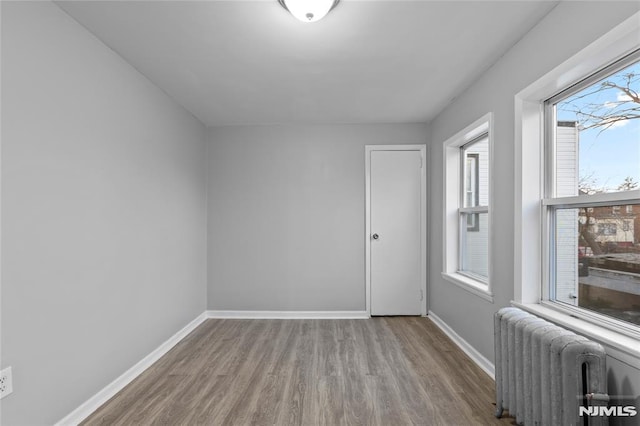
x=309, y=10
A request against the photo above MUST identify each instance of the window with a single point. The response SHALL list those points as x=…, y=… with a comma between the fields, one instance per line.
x=592, y=169
x=533, y=170
x=467, y=208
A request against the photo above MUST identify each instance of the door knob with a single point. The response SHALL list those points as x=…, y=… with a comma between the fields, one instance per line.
x=375, y=236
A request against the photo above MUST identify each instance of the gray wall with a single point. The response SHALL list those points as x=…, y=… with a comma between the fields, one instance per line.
x=570, y=27
x=103, y=214
x=286, y=214
x=104, y=207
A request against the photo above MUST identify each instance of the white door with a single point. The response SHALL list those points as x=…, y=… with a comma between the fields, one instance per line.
x=395, y=232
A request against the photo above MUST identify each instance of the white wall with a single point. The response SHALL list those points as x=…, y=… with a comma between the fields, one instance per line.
x=546, y=46
x=286, y=214
x=103, y=214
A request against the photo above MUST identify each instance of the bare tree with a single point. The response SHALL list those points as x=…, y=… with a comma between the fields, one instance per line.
x=604, y=115
x=588, y=185
x=628, y=184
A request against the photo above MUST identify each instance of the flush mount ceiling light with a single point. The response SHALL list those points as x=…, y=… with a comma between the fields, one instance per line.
x=309, y=10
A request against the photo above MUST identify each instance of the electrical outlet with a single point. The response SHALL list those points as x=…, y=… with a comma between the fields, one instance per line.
x=6, y=382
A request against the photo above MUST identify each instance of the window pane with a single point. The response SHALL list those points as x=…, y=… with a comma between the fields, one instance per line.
x=475, y=157
x=597, y=260
x=474, y=244
x=597, y=143
x=567, y=253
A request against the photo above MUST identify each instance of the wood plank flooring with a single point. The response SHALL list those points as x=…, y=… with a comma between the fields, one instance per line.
x=379, y=371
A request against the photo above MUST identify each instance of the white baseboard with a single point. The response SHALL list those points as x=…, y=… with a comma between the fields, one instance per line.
x=93, y=403
x=288, y=314
x=482, y=362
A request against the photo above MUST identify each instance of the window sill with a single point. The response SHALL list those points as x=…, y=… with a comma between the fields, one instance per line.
x=469, y=284
x=618, y=345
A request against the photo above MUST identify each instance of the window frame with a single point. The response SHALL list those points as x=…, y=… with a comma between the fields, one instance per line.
x=552, y=204
x=454, y=207
x=530, y=226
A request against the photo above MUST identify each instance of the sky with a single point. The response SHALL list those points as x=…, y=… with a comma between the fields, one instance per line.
x=608, y=156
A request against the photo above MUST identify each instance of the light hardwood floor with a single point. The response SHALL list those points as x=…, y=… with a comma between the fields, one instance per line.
x=381, y=371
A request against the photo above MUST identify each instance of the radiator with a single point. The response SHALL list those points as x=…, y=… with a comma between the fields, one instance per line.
x=544, y=373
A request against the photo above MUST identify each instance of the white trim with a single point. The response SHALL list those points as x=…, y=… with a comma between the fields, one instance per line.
x=452, y=208
x=223, y=314
x=529, y=185
x=367, y=231
x=470, y=210
x=469, y=284
x=423, y=220
x=623, y=197
x=482, y=362
x=93, y=403
x=471, y=132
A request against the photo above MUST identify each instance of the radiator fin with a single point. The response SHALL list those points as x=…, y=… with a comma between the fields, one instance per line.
x=542, y=371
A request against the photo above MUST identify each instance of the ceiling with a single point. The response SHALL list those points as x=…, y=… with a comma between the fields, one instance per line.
x=250, y=62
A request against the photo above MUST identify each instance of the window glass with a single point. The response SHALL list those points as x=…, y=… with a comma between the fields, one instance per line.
x=471, y=179
x=474, y=245
x=595, y=253
x=476, y=172
x=597, y=265
x=597, y=136
x=474, y=225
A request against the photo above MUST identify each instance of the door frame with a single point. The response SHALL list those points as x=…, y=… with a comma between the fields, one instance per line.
x=423, y=220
